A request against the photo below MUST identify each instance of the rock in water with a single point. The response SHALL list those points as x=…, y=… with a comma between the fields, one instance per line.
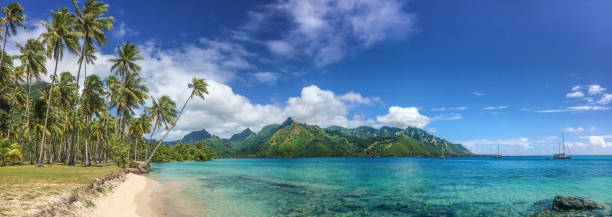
x=561, y=203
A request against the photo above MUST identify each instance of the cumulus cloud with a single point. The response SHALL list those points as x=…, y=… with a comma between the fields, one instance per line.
x=605, y=99
x=404, y=117
x=324, y=107
x=593, y=141
x=224, y=112
x=599, y=141
x=432, y=130
x=576, y=94
x=595, y=89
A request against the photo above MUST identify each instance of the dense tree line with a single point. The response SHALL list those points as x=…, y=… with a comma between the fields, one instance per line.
x=184, y=152
x=60, y=121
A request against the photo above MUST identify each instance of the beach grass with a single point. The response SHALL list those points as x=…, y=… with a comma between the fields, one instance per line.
x=26, y=189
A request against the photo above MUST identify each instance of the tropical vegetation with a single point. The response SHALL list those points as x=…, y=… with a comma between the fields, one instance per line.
x=46, y=117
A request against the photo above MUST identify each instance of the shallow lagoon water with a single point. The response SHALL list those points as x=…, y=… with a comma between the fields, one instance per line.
x=412, y=186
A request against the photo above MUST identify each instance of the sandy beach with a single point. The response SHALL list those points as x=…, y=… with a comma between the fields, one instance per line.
x=130, y=198
x=142, y=196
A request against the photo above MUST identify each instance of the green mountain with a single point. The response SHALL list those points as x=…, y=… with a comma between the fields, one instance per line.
x=193, y=137
x=291, y=139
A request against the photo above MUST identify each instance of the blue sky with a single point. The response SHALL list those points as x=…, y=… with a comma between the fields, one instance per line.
x=476, y=72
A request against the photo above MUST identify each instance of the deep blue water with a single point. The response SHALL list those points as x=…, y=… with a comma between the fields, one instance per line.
x=478, y=186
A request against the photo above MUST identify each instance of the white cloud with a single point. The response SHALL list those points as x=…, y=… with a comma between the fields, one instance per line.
x=325, y=108
x=432, y=130
x=546, y=139
x=576, y=94
x=522, y=142
x=576, y=109
x=495, y=107
x=575, y=88
x=595, y=141
x=476, y=93
x=224, y=112
x=605, y=99
x=266, y=77
x=324, y=32
x=280, y=47
x=123, y=30
x=448, y=117
x=352, y=97
x=404, y=117
x=599, y=141
x=595, y=89
x=574, y=129
x=460, y=108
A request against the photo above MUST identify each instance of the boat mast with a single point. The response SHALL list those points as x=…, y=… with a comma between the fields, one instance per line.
x=563, y=136
x=497, y=148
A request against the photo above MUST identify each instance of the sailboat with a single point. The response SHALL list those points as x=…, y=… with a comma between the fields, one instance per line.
x=498, y=155
x=562, y=155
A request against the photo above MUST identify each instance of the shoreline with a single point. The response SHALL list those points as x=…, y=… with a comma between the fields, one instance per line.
x=139, y=195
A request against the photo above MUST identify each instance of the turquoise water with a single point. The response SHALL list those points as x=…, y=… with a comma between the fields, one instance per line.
x=511, y=186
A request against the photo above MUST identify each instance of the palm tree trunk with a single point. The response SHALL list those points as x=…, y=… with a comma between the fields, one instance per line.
x=87, y=163
x=42, y=141
x=8, y=134
x=151, y=137
x=76, y=94
x=28, y=116
x=168, y=131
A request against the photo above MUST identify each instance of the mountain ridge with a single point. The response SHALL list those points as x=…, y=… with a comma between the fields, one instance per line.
x=292, y=139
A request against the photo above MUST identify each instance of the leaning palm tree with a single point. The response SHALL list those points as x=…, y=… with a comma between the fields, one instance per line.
x=163, y=111
x=128, y=54
x=32, y=60
x=198, y=88
x=13, y=17
x=60, y=35
x=93, y=104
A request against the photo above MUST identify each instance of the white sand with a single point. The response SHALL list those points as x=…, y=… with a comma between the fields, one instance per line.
x=132, y=195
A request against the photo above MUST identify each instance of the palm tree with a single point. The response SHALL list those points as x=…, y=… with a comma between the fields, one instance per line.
x=126, y=68
x=66, y=86
x=199, y=88
x=128, y=54
x=93, y=97
x=13, y=17
x=126, y=96
x=60, y=35
x=8, y=77
x=91, y=23
x=164, y=112
x=33, y=60
x=16, y=95
x=139, y=126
